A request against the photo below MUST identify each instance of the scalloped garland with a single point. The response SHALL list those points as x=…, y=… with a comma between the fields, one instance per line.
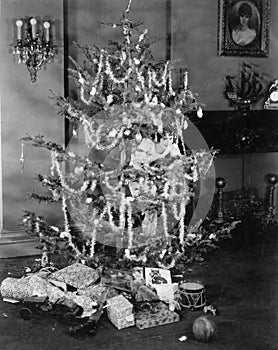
x=111, y=74
x=57, y=166
x=113, y=188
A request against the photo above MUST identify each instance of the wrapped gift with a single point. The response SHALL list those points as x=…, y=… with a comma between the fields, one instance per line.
x=77, y=275
x=119, y=311
x=119, y=306
x=120, y=323
x=155, y=317
x=117, y=279
x=26, y=287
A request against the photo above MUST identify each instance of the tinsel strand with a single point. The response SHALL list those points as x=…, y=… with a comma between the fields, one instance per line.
x=164, y=218
x=22, y=160
x=129, y=225
x=67, y=233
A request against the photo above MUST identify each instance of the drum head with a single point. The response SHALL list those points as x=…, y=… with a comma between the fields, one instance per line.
x=192, y=286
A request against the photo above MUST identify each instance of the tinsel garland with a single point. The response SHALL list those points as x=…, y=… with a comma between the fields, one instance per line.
x=57, y=166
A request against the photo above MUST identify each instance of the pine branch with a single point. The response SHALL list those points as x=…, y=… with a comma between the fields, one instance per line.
x=77, y=66
x=38, y=141
x=41, y=198
x=51, y=182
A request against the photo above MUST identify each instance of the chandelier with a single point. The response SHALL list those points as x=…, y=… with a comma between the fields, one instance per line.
x=34, y=46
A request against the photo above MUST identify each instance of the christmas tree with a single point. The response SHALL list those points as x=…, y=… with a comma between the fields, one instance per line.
x=133, y=199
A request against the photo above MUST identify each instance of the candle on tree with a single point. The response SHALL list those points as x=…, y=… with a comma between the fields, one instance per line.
x=19, y=24
x=185, y=83
x=46, y=26
x=33, y=22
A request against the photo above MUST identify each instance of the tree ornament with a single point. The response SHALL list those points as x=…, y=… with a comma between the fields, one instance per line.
x=138, y=137
x=185, y=82
x=93, y=91
x=199, y=112
x=44, y=258
x=109, y=99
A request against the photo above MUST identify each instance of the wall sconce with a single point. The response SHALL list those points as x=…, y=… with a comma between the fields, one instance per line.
x=34, y=46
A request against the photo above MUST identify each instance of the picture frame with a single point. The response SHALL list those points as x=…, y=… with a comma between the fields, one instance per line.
x=154, y=276
x=243, y=28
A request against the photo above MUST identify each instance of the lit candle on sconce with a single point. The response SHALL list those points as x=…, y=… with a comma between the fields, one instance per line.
x=19, y=24
x=185, y=82
x=46, y=26
x=33, y=22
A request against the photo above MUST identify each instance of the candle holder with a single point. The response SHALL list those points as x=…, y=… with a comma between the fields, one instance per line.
x=243, y=90
x=220, y=183
x=34, y=46
x=272, y=180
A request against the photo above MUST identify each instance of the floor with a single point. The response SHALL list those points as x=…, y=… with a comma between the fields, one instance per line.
x=241, y=282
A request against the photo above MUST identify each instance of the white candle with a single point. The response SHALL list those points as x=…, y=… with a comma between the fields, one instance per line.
x=46, y=26
x=33, y=22
x=19, y=24
x=185, y=80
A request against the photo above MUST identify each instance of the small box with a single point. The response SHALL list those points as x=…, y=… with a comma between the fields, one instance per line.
x=162, y=315
x=120, y=323
x=119, y=306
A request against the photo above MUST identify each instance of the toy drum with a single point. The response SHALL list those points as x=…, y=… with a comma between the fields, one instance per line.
x=192, y=295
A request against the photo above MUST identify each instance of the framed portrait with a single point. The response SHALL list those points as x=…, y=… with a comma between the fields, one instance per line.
x=243, y=28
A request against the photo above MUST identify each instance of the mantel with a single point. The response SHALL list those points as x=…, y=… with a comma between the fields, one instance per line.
x=224, y=129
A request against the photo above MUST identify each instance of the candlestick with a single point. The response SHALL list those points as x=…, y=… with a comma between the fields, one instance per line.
x=33, y=22
x=272, y=180
x=19, y=24
x=220, y=183
x=46, y=26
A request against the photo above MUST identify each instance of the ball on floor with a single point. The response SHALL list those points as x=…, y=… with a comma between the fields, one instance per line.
x=204, y=328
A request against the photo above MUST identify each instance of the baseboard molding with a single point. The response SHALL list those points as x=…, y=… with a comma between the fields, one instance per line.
x=16, y=243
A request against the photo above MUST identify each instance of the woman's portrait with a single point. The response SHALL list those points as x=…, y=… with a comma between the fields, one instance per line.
x=243, y=28
x=244, y=23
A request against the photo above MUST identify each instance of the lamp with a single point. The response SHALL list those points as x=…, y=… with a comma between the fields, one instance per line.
x=34, y=46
